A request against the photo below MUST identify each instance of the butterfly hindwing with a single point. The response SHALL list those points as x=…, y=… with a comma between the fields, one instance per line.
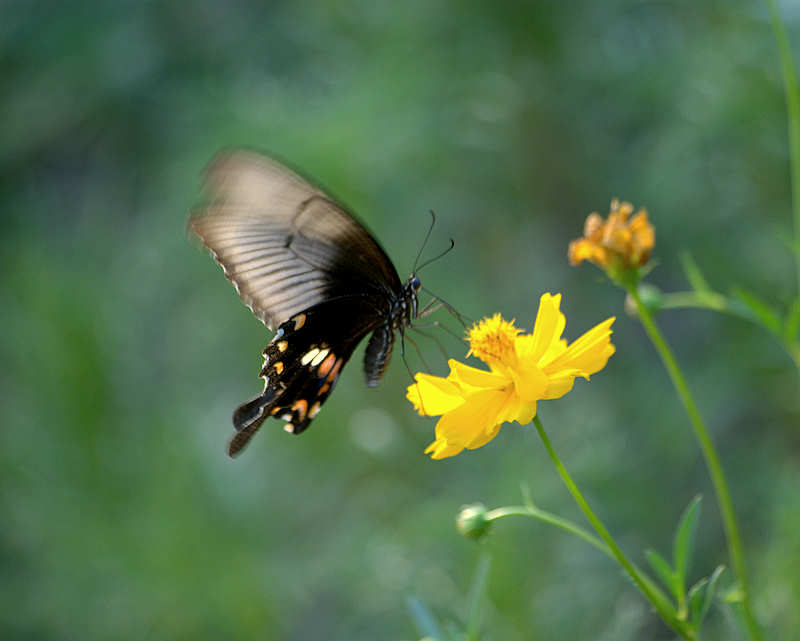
x=302, y=364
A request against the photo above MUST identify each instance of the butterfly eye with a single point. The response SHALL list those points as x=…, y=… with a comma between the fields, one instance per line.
x=415, y=283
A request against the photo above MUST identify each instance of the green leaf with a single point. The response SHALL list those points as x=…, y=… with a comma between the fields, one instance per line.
x=423, y=619
x=711, y=591
x=792, y=324
x=693, y=273
x=684, y=540
x=662, y=568
x=701, y=596
x=697, y=597
x=760, y=311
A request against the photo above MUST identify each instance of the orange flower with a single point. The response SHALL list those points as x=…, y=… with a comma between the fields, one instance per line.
x=616, y=243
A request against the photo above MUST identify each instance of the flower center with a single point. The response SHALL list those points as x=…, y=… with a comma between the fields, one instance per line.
x=493, y=340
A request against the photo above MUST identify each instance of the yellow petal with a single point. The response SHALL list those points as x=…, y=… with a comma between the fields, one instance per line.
x=484, y=437
x=525, y=413
x=588, y=354
x=474, y=420
x=440, y=449
x=475, y=378
x=561, y=383
x=530, y=382
x=433, y=395
x=549, y=324
x=518, y=410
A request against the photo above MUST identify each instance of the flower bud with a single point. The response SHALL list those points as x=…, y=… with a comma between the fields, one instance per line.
x=472, y=522
x=651, y=298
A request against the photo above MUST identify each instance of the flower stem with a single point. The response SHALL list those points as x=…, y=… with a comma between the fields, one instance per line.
x=711, y=458
x=793, y=116
x=552, y=519
x=655, y=596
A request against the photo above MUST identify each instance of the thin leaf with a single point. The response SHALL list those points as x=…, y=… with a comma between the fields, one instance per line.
x=697, y=597
x=693, y=273
x=477, y=592
x=701, y=596
x=759, y=310
x=662, y=568
x=792, y=324
x=684, y=539
x=711, y=591
x=423, y=619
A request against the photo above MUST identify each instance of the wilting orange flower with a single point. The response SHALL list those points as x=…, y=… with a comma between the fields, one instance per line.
x=616, y=243
x=524, y=369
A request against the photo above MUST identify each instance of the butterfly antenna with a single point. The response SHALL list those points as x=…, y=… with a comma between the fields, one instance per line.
x=430, y=260
x=425, y=242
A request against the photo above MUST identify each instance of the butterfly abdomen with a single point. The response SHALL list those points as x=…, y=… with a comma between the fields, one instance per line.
x=378, y=353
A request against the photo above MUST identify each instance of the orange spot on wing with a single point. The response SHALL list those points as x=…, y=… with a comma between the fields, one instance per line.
x=334, y=371
x=301, y=407
x=325, y=366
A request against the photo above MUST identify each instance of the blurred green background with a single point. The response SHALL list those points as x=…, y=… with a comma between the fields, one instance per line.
x=124, y=350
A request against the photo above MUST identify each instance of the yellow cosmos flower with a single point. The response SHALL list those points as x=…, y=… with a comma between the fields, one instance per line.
x=523, y=369
x=619, y=242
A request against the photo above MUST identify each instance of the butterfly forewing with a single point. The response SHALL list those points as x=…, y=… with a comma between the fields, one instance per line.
x=282, y=242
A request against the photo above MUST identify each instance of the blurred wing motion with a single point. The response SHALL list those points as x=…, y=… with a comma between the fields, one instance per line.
x=283, y=243
x=306, y=266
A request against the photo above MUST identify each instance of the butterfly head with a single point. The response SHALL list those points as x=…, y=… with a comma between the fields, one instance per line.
x=407, y=311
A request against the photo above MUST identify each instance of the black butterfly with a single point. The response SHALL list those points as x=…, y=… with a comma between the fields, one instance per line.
x=302, y=264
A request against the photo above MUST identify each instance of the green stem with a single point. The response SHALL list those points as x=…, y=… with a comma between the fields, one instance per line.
x=552, y=519
x=711, y=458
x=564, y=524
x=793, y=114
x=655, y=596
x=705, y=300
x=719, y=303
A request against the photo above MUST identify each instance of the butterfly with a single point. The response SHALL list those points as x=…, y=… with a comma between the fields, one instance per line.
x=306, y=266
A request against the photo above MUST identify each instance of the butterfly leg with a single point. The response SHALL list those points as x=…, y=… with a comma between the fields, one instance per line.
x=417, y=329
x=403, y=338
x=425, y=311
x=431, y=306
